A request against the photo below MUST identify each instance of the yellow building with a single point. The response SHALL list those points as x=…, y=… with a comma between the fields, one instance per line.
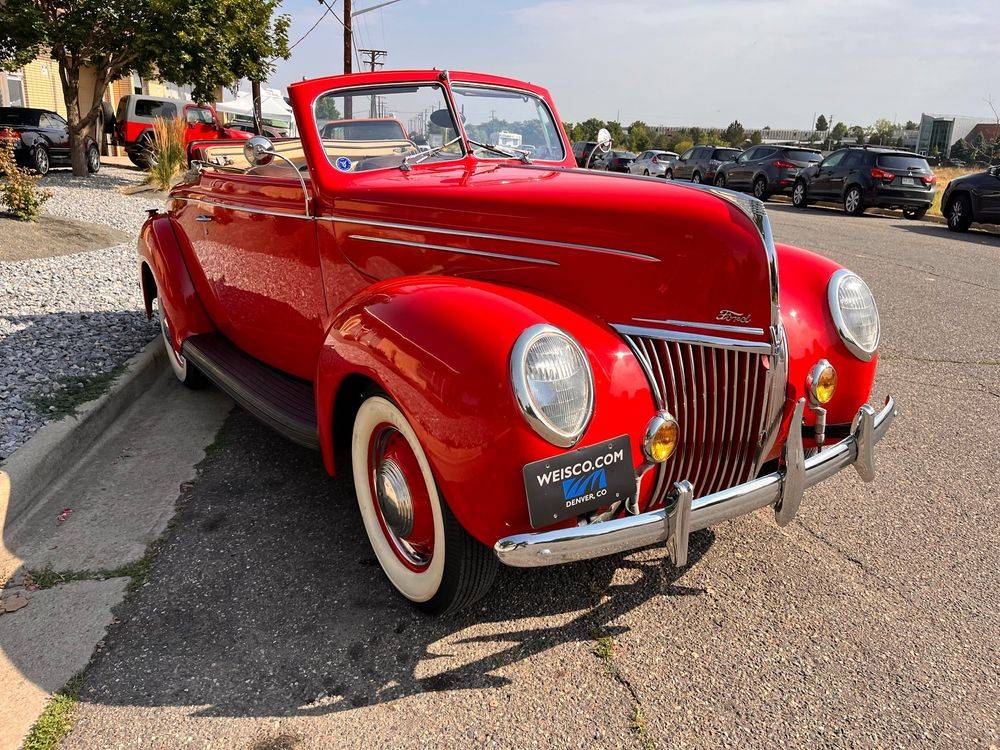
x=37, y=85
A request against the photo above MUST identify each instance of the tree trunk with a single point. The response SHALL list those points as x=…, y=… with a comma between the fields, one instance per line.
x=79, y=121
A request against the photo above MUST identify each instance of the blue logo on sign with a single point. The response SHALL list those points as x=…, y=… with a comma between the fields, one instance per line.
x=595, y=480
x=343, y=164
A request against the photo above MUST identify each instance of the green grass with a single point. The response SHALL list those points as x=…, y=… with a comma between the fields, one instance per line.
x=57, y=718
x=640, y=729
x=137, y=572
x=73, y=392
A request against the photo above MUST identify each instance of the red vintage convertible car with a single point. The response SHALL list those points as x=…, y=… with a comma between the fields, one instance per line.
x=517, y=360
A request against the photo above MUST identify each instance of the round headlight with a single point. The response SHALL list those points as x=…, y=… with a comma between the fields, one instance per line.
x=854, y=313
x=553, y=384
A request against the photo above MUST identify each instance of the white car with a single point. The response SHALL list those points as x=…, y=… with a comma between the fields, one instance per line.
x=652, y=163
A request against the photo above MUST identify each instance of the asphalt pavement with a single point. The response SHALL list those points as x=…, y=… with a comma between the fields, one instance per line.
x=871, y=621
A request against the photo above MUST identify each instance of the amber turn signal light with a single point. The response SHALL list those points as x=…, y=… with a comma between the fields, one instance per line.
x=821, y=382
x=661, y=438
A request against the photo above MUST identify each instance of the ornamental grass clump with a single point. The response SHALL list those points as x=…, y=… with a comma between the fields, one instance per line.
x=19, y=194
x=168, y=157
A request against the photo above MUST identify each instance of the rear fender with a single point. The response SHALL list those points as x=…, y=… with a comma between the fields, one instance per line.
x=440, y=347
x=163, y=274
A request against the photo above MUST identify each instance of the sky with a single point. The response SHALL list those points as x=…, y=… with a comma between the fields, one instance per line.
x=690, y=62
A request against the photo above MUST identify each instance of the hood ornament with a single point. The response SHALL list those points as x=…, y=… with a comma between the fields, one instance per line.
x=731, y=316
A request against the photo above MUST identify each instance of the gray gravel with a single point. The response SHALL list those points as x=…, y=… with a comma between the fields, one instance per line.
x=74, y=315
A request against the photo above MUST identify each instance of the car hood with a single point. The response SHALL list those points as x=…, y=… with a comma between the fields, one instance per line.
x=634, y=251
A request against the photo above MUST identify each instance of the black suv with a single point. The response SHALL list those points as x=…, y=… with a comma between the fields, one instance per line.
x=582, y=151
x=766, y=170
x=699, y=164
x=972, y=197
x=863, y=177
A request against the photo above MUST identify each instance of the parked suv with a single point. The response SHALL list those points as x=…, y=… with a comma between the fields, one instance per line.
x=134, y=123
x=652, y=163
x=582, y=151
x=766, y=170
x=972, y=197
x=42, y=139
x=863, y=177
x=699, y=164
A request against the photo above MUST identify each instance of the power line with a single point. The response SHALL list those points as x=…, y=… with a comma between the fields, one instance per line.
x=311, y=28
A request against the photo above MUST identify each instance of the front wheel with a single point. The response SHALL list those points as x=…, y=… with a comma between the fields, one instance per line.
x=914, y=214
x=93, y=160
x=696, y=178
x=668, y=175
x=645, y=173
x=959, y=214
x=720, y=180
x=853, y=203
x=422, y=548
x=799, y=197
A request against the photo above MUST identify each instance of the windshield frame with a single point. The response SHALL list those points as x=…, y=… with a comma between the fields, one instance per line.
x=523, y=92
x=445, y=90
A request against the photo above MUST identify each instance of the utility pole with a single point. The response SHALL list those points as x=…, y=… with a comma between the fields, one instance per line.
x=374, y=58
x=347, y=36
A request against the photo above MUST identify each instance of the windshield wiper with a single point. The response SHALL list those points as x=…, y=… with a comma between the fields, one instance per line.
x=514, y=153
x=422, y=155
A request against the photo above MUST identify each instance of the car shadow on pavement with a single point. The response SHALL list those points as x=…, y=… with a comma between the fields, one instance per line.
x=266, y=600
x=940, y=231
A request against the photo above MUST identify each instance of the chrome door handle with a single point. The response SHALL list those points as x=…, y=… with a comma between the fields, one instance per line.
x=205, y=217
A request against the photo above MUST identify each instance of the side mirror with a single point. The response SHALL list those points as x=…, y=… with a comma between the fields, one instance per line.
x=258, y=151
x=603, y=140
x=995, y=170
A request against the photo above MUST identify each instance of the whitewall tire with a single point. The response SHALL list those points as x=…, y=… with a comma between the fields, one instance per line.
x=426, y=555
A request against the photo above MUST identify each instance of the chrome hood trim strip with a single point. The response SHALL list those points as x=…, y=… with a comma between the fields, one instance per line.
x=749, y=330
x=452, y=249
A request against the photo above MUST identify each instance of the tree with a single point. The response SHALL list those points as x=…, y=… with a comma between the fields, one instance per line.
x=206, y=44
x=696, y=135
x=639, y=138
x=681, y=146
x=960, y=152
x=734, y=134
x=821, y=124
x=857, y=133
x=838, y=132
x=882, y=131
x=756, y=138
x=910, y=125
x=617, y=132
x=589, y=128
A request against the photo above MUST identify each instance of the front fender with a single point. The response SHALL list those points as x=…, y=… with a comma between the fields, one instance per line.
x=811, y=335
x=440, y=347
x=159, y=252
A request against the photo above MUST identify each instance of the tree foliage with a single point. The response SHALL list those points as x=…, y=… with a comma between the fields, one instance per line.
x=206, y=44
x=734, y=134
x=821, y=124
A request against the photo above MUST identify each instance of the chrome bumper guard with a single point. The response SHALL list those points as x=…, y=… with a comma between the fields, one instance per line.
x=674, y=522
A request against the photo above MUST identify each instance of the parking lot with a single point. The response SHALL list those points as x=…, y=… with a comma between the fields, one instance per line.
x=871, y=621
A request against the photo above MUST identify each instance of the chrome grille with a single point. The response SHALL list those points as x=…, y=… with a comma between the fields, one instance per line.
x=719, y=398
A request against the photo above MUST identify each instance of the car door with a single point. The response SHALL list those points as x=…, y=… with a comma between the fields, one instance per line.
x=822, y=185
x=56, y=131
x=989, y=200
x=256, y=264
x=738, y=173
x=640, y=163
x=201, y=125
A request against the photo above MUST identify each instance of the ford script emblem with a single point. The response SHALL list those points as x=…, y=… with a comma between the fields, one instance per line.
x=732, y=316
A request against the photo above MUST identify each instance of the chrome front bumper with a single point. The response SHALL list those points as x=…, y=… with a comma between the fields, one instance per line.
x=673, y=523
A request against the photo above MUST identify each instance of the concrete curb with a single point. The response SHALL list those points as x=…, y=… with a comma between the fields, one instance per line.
x=29, y=470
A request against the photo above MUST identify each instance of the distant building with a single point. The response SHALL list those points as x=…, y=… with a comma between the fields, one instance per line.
x=985, y=131
x=938, y=133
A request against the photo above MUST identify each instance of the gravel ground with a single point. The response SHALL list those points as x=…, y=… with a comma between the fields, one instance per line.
x=871, y=621
x=74, y=315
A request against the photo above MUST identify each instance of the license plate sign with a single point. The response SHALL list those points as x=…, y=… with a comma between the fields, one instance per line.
x=578, y=482
x=909, y=181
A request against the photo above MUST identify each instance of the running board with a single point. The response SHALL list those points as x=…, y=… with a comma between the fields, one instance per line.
x=281, y=401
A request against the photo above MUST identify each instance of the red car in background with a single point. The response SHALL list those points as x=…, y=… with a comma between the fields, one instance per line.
x=513, y=359
x=136, y=113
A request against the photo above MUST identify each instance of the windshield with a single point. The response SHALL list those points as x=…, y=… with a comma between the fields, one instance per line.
x=507, y=120
x=379, y=126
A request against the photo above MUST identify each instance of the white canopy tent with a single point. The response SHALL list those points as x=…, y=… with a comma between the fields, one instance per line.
x=273, y=107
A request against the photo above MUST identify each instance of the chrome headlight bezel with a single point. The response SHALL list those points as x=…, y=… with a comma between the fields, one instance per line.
x=846, y=334
x=532, y=413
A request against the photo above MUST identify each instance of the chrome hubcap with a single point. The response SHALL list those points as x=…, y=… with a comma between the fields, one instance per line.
x=394, y=498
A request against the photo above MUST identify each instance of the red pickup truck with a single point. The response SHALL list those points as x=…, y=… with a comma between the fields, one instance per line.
x=134, y=123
